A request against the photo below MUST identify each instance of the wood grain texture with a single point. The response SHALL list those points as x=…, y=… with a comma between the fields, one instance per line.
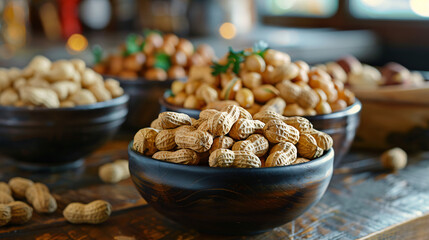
x=364, y=205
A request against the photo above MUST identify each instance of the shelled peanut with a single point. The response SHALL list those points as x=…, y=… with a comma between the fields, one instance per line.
x=155, y=56
x=259, y=79
x=231, y=137
x=63, y=83
x=363, y=76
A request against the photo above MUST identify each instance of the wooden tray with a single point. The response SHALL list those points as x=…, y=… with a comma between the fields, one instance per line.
x=394, y=116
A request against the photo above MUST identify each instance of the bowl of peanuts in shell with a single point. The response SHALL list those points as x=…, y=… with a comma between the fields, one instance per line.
x=227, y=172
x=261, y=79
x=146, y=65
x=55, y=113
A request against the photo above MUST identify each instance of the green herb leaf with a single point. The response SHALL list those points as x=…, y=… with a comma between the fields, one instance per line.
x=97, y=52
x=131, y=45
x=218, y=68
x=162, y=61
x=142, y=46
x=237, y=57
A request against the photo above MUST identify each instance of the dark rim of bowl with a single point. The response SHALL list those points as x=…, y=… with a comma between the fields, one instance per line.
x=353, y=109
x=326, y=157
x=350, y=110
x=142, y=81
x=99, y=105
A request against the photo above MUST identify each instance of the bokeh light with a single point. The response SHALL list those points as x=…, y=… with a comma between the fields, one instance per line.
x=77, y=43
x=420, y=7
x=228, y=30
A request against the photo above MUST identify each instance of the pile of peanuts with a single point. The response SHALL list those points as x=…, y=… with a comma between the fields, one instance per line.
x=38, y=195
x=365, y=76
x=268, y=82
x=63, y=83
x=232, y=138
x=181, y=55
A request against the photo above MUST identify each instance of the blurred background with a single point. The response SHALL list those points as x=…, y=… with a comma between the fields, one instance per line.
x=375, y=31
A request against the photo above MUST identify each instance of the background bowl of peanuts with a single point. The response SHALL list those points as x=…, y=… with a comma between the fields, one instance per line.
x=229, y=173
x=395, y=105
x=261, y=79
x=146, y=65
x=55, y=113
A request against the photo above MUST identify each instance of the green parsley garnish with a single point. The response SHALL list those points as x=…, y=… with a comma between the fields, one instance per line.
x=162, y=61
x=131, y=45
x=237, y=57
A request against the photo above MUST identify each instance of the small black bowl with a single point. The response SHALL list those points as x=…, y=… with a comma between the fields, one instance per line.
x=229, y=200
x=43, y=138
x=143, y=105
x=341, y=125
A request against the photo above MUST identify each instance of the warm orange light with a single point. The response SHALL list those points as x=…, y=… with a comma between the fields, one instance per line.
x=77, y=42
x=227, y=30
x=420, y=7
x=15, y=34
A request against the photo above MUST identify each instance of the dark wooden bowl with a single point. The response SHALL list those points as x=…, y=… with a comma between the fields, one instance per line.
x=341, y=125
x=230, y=200
x=143, y=105
x=48, y=138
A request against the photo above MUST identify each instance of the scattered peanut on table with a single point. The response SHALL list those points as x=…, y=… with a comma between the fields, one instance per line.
x=40, y=198
x=114, y=172
x=19, y=186
x=95, y=212
x=394, y=159
x=5, y=193
x=38, y=195
x=15, y=213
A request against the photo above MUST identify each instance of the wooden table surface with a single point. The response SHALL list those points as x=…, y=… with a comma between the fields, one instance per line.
x=365, y=205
